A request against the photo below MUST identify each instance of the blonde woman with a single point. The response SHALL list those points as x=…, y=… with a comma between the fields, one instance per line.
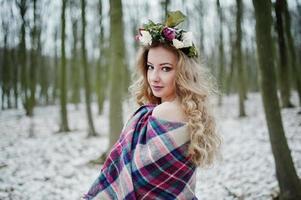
x=173, y=132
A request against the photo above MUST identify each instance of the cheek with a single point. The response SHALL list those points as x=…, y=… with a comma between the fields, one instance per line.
x=172, y=80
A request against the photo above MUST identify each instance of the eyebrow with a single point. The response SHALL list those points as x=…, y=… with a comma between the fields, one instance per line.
x=161, y=63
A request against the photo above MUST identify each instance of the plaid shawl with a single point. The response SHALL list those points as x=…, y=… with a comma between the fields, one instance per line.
x=149, y=161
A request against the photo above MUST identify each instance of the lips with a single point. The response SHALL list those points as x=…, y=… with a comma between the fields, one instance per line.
x=156, y=88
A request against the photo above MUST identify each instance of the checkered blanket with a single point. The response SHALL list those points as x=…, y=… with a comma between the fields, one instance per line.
x=149, y=161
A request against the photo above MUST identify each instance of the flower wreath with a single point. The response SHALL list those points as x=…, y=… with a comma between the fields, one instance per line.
x=168, y=33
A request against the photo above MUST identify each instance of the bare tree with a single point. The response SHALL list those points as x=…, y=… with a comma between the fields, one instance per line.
x=33, y=62
x=288, y=180
x=165, y=6
x=292, y=51
x=201, y=13
x=117, y=64
x=64, y=127
x=6, y=74
x=75, y=68
x=55, y=75
x=284, y=68
x=239, y=59
x=221, y=51
x=23, y=6
x=101, y=68
x=91, y=129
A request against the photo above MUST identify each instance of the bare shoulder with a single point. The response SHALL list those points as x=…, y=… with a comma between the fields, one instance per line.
x=170, y=111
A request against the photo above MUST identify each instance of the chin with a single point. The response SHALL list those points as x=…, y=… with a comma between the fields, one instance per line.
x=158, y=95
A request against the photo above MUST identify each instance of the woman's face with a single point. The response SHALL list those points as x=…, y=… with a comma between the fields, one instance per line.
x=161, y=73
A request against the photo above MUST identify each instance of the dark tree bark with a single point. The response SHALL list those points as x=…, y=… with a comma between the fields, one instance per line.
x=33, y=63
x=14, y=58
x=91, y=129
x=230, y=78
x=6, y=69
x=55, y=73
x=239, y=61
x=101, y=72
x=64, y=127
x=44, y=77
x=298, y=50
x=290, y=187
x=250, y=60
x=165, y=6
x=75, y=70
x=284, y=70
x=292, y=51
x=117, y=64
x=221, y=58
x=44, y=80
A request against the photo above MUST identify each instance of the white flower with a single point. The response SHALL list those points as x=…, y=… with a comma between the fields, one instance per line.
x=187, y=39
x=145, y=38
x=177, y=43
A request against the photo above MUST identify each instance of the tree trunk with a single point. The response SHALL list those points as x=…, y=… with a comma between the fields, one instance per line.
x=200, y=10
x=284, y=70
x=298, y=50
x=6, y=75
x=43, y=70
x=240, y=67
x=33, y=63
x=117, y=60
x=91, y=129
x=231, y=76
x=75, y=71
x=290, y=188
x=15, y=80
x=64, y=127
x=292, y=51
x=221, y=53
x=100, y=73
x=165, y=6
x=44, y=80
x=55, y=70
x=22, y=5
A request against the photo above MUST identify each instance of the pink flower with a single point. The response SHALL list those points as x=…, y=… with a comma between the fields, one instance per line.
x=169, y=33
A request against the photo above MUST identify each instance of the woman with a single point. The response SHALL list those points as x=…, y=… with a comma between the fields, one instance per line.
x=173, y=132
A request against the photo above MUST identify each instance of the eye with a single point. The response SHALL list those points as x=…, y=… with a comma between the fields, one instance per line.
x=149, y=67
x=166, y=69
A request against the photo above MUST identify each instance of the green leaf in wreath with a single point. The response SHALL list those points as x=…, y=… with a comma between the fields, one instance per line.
x=174, y=18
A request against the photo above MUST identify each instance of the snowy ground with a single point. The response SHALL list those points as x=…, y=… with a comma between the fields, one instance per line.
x=37, y=163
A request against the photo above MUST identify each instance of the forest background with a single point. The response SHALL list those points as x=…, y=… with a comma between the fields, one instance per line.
x=82, y=53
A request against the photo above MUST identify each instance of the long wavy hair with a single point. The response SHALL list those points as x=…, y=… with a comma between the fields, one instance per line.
x=194, y=87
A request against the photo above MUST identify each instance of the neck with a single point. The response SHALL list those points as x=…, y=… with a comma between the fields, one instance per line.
x=174, y=99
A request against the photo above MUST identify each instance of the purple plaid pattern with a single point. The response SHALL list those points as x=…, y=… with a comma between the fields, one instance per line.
x=149, y=161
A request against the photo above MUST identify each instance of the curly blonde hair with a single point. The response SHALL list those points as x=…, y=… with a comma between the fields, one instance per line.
x=194, y=88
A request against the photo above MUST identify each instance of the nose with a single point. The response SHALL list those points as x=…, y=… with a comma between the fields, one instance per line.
x=154, y=75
